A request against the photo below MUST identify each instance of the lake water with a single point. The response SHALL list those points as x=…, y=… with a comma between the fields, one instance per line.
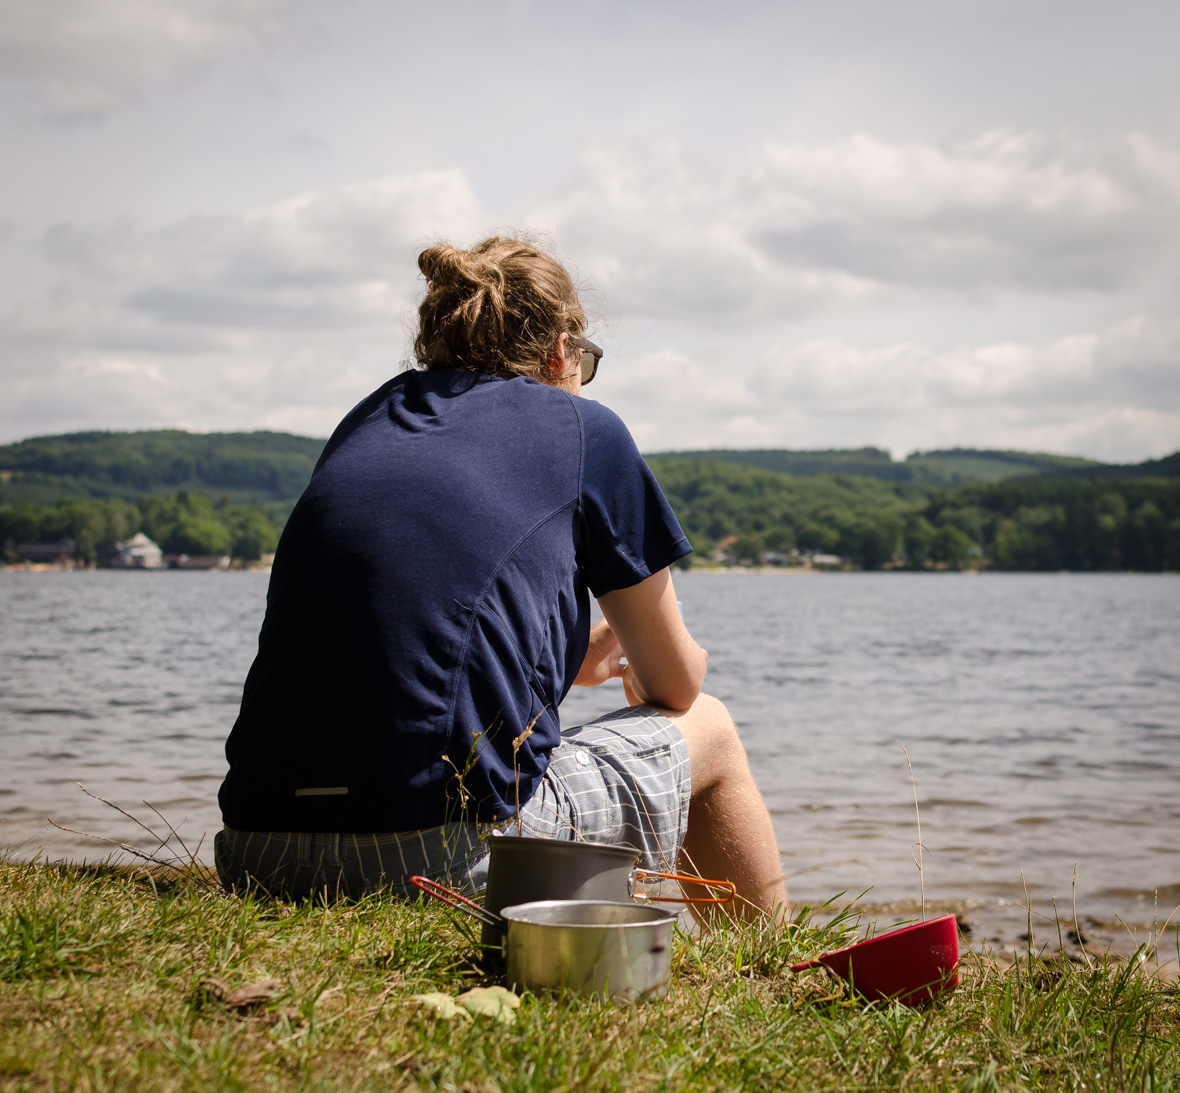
x=1041, y=714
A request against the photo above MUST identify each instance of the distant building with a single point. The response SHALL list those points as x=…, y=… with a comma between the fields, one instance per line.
x=722, y=552
x=827, y=561
x=138, y=552
x=60, y=552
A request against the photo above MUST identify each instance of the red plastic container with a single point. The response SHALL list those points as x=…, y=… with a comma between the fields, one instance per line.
x=911, y=965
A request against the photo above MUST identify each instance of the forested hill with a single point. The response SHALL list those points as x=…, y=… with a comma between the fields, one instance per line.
x=245, y=467
x=1168, y=467
x=1027, y=523
x=949, y=467
x=231, y=492
x=267, y=467
x=863, y=462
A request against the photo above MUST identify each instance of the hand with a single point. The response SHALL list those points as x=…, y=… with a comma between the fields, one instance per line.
x=634, y=698
x=604, y=657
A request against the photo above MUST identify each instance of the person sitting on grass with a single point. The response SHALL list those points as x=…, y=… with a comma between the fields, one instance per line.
x=429, y=609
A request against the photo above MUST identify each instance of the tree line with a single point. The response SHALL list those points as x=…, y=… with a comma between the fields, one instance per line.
x=1040, y=523
x=183, y=523
x=1045, y=523
x=1051, y=524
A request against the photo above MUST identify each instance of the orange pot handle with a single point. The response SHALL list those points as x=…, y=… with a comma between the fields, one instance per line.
x=461, y=903
x=729, y=887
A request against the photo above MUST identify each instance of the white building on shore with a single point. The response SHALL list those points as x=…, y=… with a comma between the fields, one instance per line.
x=138, y=552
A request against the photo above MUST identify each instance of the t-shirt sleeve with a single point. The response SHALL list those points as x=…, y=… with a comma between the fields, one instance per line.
x=629, y=530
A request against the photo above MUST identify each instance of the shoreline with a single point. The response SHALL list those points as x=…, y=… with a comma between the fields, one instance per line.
x=744, y=570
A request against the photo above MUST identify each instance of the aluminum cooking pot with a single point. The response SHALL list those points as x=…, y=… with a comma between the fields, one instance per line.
x=911, y=965
x=622, y=950
x=526, y=870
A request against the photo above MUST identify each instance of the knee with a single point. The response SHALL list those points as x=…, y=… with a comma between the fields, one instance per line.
x=715, y=719
x=715, y=750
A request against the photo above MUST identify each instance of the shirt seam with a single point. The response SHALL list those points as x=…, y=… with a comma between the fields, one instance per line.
x=581, y=455
x=476, y=608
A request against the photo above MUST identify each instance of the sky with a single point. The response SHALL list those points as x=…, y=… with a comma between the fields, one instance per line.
x=913, y=224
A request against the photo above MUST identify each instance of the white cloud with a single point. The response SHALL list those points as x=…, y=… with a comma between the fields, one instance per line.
x=83, y=58
x=792, y=232
x=285, y=315
x=342, y=260
x=799, y=229
x=1112, y=395
x=667, y=237
x=1004, y=210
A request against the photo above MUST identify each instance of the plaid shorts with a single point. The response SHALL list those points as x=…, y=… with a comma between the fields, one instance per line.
x=622, y=779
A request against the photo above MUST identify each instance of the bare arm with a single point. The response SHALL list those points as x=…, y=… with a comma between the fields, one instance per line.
x=665, y=667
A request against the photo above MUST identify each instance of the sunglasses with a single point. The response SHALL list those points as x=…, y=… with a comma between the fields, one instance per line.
x=591, y=355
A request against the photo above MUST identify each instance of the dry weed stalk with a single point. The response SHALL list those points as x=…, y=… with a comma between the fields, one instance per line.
x=516, y=745
x=918, y=816
x=183, y=865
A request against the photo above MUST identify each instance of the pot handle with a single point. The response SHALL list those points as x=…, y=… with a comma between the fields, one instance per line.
x=469, y=907
x=729, y=887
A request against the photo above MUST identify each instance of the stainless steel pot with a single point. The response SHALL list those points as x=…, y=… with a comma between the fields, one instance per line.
x=623, y=950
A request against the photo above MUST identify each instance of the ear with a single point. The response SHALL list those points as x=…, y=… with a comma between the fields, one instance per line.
x=558, y=363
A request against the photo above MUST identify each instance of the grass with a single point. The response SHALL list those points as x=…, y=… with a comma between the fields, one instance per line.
x=105, y=985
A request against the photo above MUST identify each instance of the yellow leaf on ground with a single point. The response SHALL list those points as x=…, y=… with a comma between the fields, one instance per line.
x=496, y=1002
x=442, y=1005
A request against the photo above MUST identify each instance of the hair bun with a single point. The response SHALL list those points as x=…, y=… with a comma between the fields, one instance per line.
x=497, y=308
x=446, y=266
x=434, y=260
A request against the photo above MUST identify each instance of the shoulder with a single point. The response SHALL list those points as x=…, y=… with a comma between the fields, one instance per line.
x=361, y=413
x=606, y=436
x=527, y=405
x=603, y=417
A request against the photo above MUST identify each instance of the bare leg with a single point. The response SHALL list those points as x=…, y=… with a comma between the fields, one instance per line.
x=730, y=836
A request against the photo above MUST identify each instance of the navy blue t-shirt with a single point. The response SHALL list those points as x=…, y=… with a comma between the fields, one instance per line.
x=428, y=604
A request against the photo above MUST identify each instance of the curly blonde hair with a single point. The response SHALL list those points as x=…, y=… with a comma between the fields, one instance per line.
x=498, y=308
